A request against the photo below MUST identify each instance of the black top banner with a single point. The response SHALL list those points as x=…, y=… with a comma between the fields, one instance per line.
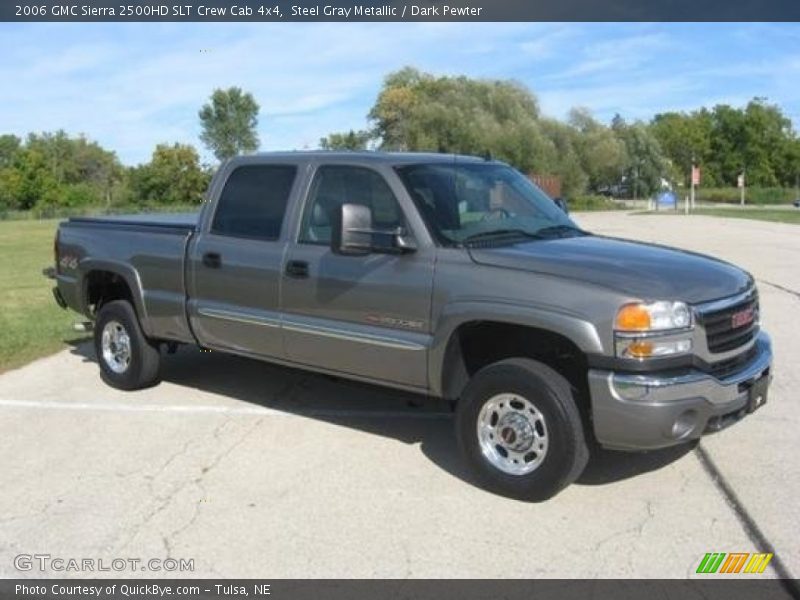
x=448, y=10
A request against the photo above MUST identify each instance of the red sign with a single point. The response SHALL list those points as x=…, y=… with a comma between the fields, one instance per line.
x=742, y=318
x=695, y=175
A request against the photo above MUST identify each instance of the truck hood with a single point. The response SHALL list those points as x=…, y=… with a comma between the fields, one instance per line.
x=645, y=271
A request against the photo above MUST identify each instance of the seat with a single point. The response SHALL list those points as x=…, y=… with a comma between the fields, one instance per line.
x=319, y=228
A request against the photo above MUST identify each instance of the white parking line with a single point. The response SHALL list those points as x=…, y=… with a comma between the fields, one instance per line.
x=219, y=410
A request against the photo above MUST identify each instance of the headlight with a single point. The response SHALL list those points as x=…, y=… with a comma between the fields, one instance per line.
x=653, y=316
x=653, y=330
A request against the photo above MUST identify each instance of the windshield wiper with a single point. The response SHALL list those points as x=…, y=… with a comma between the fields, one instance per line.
x=558, y=230
x=498, y=234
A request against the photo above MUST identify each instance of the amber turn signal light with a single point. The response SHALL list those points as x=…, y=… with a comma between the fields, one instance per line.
x=633, y=317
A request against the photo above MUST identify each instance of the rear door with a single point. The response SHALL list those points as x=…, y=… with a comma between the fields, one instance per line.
x=234, y=265
x=365, y=315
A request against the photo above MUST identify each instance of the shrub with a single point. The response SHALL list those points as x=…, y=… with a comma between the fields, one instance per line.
x=589, y=202
x=732, y=195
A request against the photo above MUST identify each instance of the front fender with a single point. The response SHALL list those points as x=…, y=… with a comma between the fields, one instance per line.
x=577, y=329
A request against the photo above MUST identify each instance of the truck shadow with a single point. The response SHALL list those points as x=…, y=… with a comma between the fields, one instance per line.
x=406, y=417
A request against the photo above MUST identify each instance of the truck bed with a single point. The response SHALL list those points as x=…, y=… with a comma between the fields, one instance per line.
x=170, y=221
x=146, y=250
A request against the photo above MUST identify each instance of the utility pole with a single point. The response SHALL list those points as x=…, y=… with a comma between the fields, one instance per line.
x=741, y=183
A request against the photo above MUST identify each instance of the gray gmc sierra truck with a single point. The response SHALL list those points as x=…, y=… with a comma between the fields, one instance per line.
x=450, y=276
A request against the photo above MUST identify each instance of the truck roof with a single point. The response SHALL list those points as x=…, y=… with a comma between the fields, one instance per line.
x=368, y=156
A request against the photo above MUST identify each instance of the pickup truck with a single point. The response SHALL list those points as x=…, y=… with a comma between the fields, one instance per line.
x=449, y=276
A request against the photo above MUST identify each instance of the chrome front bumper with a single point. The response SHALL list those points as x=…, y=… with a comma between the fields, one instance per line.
x=644, y=411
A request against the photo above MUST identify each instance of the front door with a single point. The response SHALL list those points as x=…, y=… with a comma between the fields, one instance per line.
x=365, y=315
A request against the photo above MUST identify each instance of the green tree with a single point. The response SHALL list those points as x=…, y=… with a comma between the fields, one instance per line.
x=229, y=123
x=421, y=112
x=767, y=139
x=29, y=181
x=726, y=139
x=683, y=138
x=352, y=140
x=601, y=152
x=10, y=182
x=568, y=164
x=173, y=176
x=645, y=164
x=84, y=173
x=9, y=146
x=792, y=164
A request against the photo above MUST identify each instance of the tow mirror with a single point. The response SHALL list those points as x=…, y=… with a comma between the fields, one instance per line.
x=352, y=231
x=353, y=234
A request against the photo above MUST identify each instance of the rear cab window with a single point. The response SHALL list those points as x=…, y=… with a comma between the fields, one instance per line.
x=253, y=202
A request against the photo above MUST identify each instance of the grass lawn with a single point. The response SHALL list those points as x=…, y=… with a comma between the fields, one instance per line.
x=31, y=323
x=777, y=215
x=760, y=214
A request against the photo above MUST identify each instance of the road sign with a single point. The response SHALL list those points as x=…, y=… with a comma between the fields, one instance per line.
x=695, y=175
x=740, y=180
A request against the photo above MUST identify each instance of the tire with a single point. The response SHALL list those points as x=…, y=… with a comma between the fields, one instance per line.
x=526, y=409
x=128, y=360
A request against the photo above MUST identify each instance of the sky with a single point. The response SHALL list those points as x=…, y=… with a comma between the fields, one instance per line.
x=132, y=86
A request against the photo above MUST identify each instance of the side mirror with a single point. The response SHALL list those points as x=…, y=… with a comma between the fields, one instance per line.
x=352, y=230
x=562, y=204
x=353, y=234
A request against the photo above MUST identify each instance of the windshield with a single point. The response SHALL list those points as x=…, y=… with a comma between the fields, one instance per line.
x=462, y=202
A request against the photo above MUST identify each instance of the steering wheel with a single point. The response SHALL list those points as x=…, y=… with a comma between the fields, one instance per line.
x=495, y=214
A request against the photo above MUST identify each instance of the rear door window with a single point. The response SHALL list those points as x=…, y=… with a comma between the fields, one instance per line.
x=253, y=201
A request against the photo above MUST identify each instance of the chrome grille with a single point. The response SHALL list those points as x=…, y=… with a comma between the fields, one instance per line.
x=722, y=335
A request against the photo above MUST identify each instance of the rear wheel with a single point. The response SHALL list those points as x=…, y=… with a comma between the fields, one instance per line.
x=128, y=360
x=520, y=430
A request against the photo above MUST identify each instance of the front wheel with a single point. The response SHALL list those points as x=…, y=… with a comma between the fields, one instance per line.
x=519, y=429
x=128, y=360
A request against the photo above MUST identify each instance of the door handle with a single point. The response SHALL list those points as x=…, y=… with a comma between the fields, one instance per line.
x=297, y=269
x=212, y=260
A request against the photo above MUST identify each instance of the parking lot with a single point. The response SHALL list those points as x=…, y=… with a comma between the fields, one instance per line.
x=259, y=471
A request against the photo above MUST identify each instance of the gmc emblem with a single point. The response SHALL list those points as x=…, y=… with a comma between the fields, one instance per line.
x=742, y=318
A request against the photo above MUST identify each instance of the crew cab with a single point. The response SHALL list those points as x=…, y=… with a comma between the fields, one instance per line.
x=449, y=276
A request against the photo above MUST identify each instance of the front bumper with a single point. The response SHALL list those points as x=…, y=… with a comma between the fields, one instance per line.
x=646, y=411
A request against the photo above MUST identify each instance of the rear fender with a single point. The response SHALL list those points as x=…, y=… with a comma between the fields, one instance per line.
x=123, y=270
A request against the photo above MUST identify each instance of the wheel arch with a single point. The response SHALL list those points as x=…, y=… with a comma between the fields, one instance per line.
x=508, y=332
x=104, y=281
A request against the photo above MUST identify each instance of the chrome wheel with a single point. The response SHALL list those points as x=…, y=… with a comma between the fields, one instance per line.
x=116, y=347
x=512, y=434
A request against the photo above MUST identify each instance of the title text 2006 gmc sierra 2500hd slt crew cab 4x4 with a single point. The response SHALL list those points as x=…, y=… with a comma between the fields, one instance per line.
x=446, y=275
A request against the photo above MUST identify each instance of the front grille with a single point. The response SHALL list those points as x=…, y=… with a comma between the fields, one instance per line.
x=724, y=368
x=721, y=335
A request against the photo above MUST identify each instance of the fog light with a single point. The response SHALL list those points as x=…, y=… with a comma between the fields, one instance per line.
x=684, y=424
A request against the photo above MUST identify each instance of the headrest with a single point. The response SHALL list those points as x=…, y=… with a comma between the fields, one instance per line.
x=320, y=215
